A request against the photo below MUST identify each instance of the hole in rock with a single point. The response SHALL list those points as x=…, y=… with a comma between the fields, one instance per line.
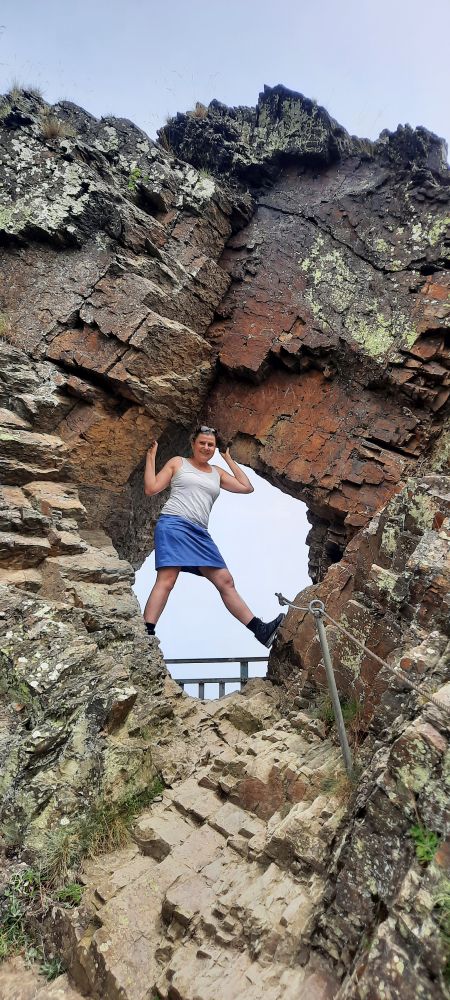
x=262, y=538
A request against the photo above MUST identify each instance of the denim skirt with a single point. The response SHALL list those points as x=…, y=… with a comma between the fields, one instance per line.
x=179, y=542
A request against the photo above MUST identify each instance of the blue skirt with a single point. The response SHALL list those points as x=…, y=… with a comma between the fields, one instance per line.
x=179, y=542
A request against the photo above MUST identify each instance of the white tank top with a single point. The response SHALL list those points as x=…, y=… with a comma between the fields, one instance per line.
x=192, y=493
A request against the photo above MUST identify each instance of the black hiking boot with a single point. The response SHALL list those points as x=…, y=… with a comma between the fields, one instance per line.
x=265, y=632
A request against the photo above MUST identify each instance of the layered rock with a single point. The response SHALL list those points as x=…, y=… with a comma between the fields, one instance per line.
x=216, y=900
x=263, y=872
x=391, y=590
x=333, y=336
x=292, y=285
x=109, y=257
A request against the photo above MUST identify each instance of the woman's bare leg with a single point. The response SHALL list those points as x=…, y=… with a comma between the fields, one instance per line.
x=165, y=581
x=222, y=579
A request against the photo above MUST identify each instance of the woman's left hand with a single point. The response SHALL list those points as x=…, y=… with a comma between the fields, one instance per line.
x=226, y=454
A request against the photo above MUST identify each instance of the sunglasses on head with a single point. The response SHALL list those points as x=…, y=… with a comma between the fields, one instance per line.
x=203, y=429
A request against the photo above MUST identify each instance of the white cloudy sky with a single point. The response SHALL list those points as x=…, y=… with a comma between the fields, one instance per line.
x=372, y=63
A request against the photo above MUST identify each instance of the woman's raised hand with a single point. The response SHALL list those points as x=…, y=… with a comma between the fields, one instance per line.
x=226, y=454
x=153, y=449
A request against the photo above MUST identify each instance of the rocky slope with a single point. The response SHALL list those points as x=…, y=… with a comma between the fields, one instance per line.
x=265, y=270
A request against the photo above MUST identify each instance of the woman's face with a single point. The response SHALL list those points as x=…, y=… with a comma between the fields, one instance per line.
x=203, y=447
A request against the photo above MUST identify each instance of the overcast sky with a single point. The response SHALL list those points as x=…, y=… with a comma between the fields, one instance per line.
x=372, y=64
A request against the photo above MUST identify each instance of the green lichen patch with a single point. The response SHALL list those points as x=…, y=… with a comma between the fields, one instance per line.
x=422, y=510
x=390, y=539
x=440, y=458
x=378, y=327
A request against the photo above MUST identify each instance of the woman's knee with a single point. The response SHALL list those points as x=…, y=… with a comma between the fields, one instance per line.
x=225, y=583
x=167, y=580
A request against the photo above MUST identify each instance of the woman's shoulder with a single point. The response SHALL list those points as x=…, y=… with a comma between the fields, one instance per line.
x=174, y=464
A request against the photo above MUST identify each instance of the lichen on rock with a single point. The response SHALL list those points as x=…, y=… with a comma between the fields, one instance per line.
x=260, y=269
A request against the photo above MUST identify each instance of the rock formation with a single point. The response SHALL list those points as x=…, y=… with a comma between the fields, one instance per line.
x=261, y=269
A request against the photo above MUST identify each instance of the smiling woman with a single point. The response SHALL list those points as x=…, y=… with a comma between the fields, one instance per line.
x=182, y=541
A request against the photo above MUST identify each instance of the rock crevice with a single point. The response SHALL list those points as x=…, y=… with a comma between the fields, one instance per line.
x=288, y=283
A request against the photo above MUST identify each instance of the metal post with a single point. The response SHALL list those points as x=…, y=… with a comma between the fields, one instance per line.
x=221, y=689
x=201, y=690
x=244, y=673
x=317, y=608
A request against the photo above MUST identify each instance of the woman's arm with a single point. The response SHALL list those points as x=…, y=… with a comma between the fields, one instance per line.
x=153, y=483
x=238, y=482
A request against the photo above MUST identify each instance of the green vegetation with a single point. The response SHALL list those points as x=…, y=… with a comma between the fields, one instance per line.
x=70, y=893
x=351, y=713
x=134, y=177
x=31, y=892
x=26, y=897
x=107, y=827
x=426, y=842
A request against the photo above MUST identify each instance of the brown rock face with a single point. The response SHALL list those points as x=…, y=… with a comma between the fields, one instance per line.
x=333, y=338
x=110, y=279
x=292, y=287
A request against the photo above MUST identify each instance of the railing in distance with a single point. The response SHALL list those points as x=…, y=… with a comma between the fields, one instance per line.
x=221, y=681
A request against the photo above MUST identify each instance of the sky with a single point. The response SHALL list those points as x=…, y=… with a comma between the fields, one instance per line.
x=373, y=65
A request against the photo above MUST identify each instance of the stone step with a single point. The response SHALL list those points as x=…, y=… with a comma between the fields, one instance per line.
x=193, y=800
x=218, y=898
x=202, y=973
x=19, y=981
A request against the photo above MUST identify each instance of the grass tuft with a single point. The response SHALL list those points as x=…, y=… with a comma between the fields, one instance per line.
x=352, y=713
x=426, y=842
x=5, y=108
x=31, y=892
x=340, y=784
x=6, y=334
x=53, y=128
x=15, y=92
x=164, y=141
x=199, y=110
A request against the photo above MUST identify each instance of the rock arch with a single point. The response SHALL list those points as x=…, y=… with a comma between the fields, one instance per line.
x=260, y=266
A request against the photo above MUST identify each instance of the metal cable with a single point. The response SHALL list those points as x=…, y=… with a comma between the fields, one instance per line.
x=424, y=692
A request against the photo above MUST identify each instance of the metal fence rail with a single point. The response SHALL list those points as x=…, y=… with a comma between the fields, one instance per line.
x=317, y=609
x=221, y=681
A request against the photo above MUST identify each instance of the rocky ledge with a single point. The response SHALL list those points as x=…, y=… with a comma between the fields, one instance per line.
x=260, y=269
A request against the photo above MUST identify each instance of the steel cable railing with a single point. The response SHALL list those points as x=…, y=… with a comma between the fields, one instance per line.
x=317, y=609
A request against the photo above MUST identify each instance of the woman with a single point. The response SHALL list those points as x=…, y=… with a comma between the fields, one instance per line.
x=182, y=541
